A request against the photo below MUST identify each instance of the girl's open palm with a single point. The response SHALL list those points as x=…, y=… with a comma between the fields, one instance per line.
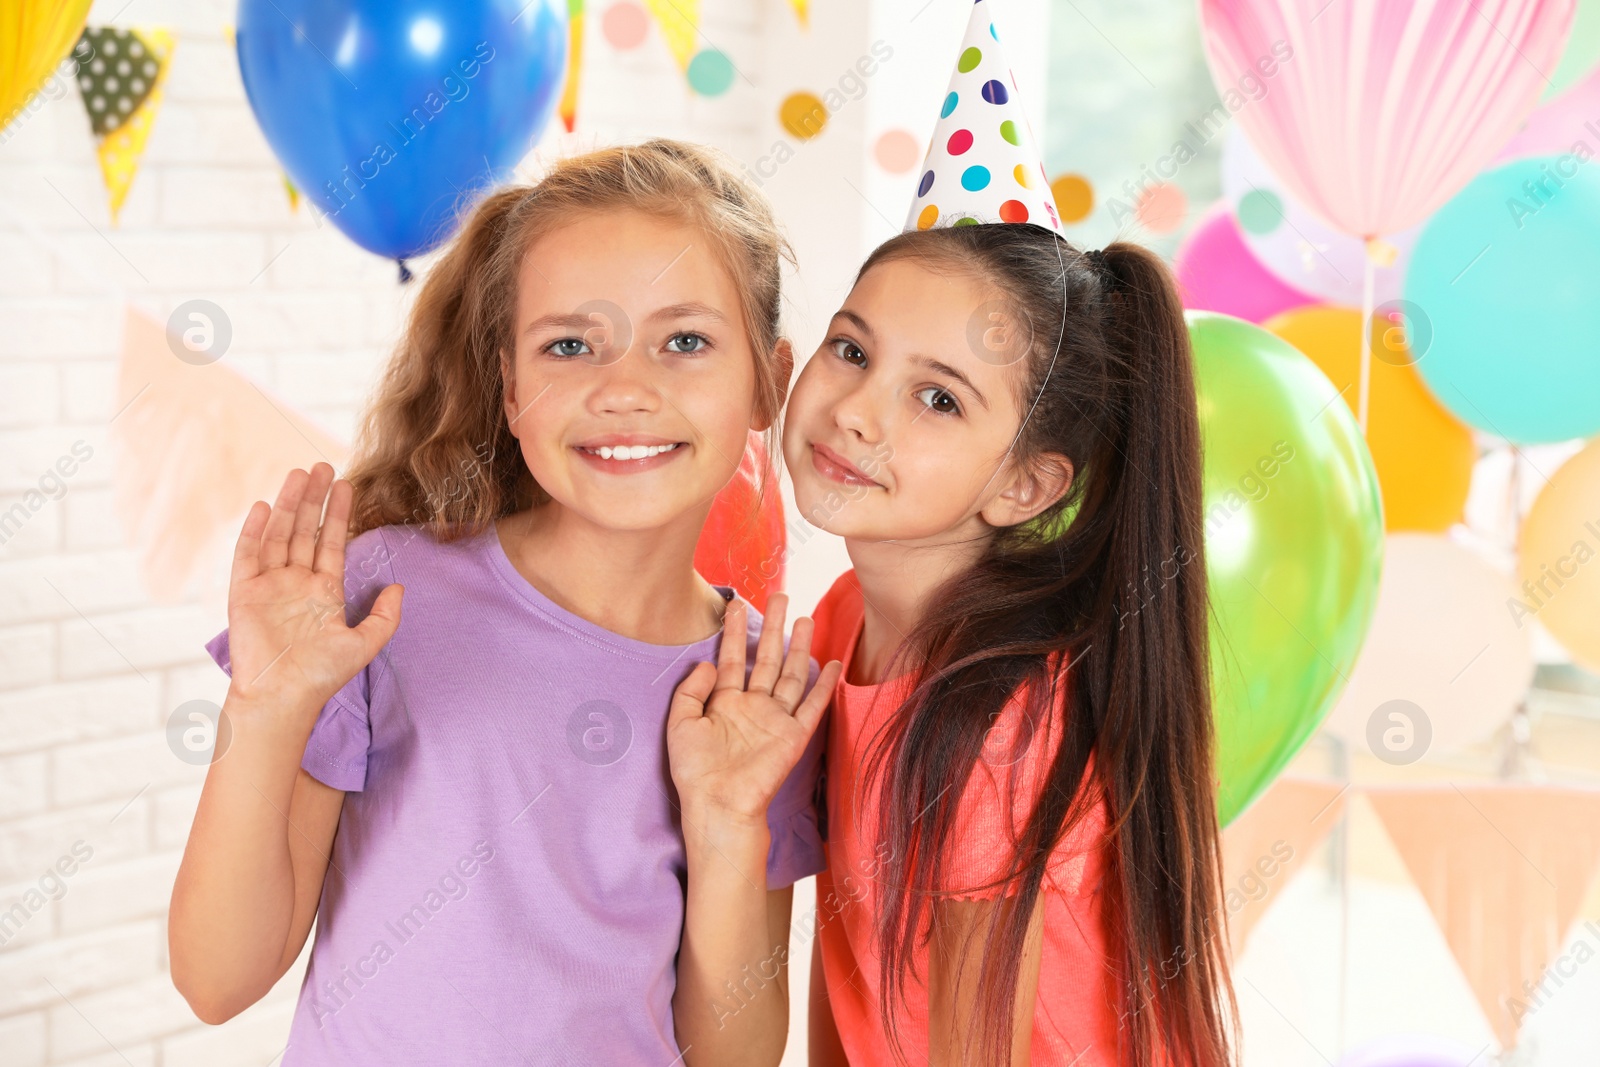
x=731, y=744
x=287, y=637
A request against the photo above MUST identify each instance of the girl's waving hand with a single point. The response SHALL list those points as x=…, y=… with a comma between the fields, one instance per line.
x=286, y=622
x=731, y=742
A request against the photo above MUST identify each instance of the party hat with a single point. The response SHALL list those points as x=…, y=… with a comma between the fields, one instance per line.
x=983, y=164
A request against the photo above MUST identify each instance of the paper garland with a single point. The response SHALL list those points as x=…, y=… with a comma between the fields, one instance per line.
x=568, y=108
x=680, y=25
x=196, y=446
x=1504, y=869
x=121, y=74
x=1271, y=840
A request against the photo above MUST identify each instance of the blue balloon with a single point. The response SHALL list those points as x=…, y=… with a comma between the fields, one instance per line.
x=1508, y=275
x=391, y=116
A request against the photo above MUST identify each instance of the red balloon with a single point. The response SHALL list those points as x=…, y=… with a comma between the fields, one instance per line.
x=743, y=542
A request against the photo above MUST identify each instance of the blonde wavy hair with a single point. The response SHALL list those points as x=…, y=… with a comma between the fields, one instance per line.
x=434, y=446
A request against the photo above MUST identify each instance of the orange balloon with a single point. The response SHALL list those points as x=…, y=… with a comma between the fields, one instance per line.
x=1558, y=557
x=1422, y=453
x=743, y=542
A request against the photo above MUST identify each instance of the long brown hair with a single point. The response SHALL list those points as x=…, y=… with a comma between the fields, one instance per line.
x=1111, y=580
x=434, y=445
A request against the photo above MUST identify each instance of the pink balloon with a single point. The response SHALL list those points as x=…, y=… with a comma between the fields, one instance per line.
x=1217, y=273
x=1553, y=128
x=1383, y=109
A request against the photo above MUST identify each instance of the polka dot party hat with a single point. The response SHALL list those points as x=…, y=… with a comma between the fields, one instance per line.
x=983, y=164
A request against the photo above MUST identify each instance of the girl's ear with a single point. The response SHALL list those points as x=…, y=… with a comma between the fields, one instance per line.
x=1030, y=489
x=508, y=392
x=782, y=371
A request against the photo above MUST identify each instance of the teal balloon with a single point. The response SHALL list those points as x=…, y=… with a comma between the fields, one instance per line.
x=1293, y=543
x=1508, y=275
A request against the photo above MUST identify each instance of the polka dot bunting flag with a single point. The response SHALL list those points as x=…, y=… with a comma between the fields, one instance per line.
x=983, y=164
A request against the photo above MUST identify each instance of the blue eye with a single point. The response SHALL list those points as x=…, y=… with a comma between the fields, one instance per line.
x=939, y=400
x=568, y=347
x=850, y=352
x=699, y=341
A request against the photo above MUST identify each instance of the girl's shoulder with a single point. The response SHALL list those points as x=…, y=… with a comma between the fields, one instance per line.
x=836, y=618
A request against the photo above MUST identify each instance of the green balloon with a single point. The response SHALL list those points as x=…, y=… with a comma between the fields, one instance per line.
x=1582, y=51
x=1294, y=546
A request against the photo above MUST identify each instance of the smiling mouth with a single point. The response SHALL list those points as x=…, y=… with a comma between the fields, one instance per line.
x=629, y=452
x=831, y=465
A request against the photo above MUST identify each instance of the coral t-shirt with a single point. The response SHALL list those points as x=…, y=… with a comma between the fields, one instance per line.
x=1075, y=1014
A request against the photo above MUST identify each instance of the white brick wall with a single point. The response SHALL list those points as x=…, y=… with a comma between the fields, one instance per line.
x=90, y=666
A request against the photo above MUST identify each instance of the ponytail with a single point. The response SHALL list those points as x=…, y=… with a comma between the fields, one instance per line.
x=1111, y=580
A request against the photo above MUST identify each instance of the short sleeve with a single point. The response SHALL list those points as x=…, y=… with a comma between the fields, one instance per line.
x=999, y=798
x=336, y=752
x=796, y=849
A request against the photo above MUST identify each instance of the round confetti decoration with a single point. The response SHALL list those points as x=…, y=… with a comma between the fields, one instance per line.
x=1008, y=130
x=625, y=25
x=802, y=115
x=995, y=92
x=710, y=72
x=959, y=142
x=896, y=151
x=1013, y=211
x=949, y=105
x=969, y=60
x=965, y=220
x=1020, y=172
x=1162, y=208
x=926, y=184
x=1260, y=211
x=974, y=178
x=928, y=217
x=1074, y=197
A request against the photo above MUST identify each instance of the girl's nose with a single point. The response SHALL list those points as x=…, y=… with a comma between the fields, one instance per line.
x=856, y=413
x=625, y=383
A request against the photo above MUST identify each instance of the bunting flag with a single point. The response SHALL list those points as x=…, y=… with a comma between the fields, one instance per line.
x=121, y=74
x=680, y=25
x=568, y=108
x=1270, y=841
x=802, y=11
x=34, y=39
x=197, y=444
x=1504, y=869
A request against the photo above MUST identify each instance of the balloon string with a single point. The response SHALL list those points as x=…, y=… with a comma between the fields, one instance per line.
x=1365, y=388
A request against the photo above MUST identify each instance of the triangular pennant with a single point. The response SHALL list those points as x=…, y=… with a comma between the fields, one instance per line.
x=680, y=25
x=121, y=74
x=34, y=38
x=983, y=163
x=568, y=108
x=802, y=11
x=116, y=75
x=292, y=193
x=1504, y=869
x=196, y=444
x=1271, y=840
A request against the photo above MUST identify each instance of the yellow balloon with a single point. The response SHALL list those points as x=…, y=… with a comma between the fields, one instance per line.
x=1558, y=557
x=34, y=36
x=1423, y=454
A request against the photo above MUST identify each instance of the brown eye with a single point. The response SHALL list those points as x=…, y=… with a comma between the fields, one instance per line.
x=939, y=400
x=849, y=352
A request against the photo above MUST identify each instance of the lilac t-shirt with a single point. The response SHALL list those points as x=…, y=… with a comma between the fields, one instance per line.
x=507, y=881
